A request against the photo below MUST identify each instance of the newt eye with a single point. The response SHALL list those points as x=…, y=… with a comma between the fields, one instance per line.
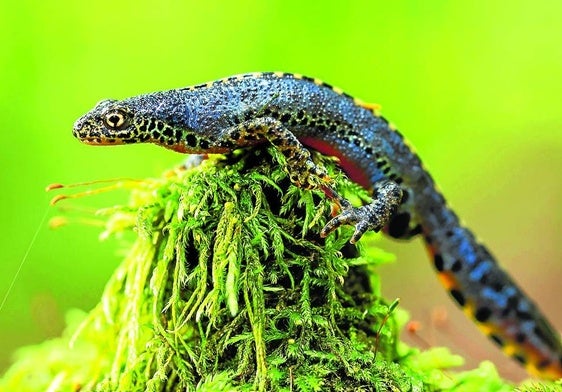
x=115, y=119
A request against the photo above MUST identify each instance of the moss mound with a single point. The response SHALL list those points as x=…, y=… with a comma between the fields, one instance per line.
x=228, y=287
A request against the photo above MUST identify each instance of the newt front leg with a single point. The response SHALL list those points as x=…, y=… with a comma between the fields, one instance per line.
x=302, y=171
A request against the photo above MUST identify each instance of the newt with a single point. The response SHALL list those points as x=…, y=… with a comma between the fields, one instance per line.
x=294, y=113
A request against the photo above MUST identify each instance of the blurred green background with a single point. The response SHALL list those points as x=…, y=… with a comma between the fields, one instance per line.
x=476, y=87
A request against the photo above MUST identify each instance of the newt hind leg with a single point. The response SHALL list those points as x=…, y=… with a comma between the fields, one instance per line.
x=374, y=216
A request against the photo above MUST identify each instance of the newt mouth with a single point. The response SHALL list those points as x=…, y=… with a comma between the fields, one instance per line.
x=95, y=138
x=100, y=140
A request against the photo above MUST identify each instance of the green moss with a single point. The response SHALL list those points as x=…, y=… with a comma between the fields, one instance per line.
x=228, y=287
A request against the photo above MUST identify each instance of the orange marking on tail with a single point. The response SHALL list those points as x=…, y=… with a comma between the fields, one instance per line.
x=447, y=280
x=367, y=105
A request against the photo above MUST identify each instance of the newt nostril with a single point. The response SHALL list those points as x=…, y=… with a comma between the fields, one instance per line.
x=78, y=129
x=78, y=125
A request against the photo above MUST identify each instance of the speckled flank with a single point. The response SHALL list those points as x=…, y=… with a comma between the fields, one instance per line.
x=289, y=111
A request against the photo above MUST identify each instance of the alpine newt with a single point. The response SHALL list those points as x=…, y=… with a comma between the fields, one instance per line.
x=292, y=111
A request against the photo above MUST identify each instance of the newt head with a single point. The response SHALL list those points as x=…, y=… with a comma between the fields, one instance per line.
x=135, y=120
x=107, y=123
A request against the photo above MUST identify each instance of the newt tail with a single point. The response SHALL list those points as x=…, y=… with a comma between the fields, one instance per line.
x=293, y=112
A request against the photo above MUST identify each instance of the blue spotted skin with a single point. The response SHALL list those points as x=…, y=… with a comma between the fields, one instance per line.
x=291, y=110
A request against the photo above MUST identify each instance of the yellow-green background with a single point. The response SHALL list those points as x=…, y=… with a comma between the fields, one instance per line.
x=476, y=87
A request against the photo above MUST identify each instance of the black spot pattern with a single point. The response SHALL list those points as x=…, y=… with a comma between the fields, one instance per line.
x=190, y=140
x=458, y=296
x=499, y=341
x=511, y=306
x=520, y=358
x=524, y=315
x=483, y=314
x=168, y=132
x=547, y=339
x=457, y=266
x=438, y=262
x=520, y=337
x=544, y=363
x=399, y=225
